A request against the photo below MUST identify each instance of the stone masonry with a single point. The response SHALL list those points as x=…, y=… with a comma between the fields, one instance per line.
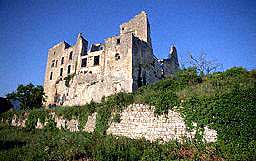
x=137, y=121
x=76, y=76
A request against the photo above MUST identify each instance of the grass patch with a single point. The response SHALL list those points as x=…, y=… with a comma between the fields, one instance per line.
x=63, y=145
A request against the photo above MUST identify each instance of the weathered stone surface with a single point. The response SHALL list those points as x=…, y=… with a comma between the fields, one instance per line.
x=18, y=121
x=14, y=120
x=91, y=123
x=121, y=64
x=39, y=125
x=138, y=121
x=72, y=125
x=60, y=122
x=210, y=135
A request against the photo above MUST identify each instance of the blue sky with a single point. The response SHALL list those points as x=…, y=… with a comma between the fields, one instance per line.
x=224, y=30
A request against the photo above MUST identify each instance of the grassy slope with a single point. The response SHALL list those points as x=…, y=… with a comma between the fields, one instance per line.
x=224, y=101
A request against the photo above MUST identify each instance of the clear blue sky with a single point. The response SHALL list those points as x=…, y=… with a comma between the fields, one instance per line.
x=225, y=30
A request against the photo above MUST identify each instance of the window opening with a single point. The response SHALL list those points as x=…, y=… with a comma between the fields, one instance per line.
x=70, y=55
x=61, y=71
x=69, y=69
x=56, y=63
x=62, y=60
x=51, y=76
x=53, y=62
x=84, y=62
x=117, y=56
x=96, y=60
x=117, y=41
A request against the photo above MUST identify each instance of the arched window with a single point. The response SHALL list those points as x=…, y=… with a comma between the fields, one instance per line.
x=62, y=60
x=70, y=55
x=117, y=56
x=117, y=41
x=69, y=69
x=53, y=61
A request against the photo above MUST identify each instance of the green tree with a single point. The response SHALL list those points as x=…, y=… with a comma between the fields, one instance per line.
x=30, y=96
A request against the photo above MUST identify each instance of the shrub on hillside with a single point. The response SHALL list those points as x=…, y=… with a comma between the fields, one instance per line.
x=29, y=96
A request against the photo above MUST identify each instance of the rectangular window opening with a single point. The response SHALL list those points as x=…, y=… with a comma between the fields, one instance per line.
x=84, y=62
x=56, y=63
x=62, y=60
x=69, y=69
x=70, y=55
x=117, y=41
x=96, y=60
x=61, y=71
x=51, y=76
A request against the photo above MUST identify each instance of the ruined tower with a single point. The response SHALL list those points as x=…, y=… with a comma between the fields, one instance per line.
x=76, y=75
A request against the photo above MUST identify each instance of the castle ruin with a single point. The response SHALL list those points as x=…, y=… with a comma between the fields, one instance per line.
x=123, y=63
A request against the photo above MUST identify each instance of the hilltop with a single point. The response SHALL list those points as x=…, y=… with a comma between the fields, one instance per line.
x=224, y=101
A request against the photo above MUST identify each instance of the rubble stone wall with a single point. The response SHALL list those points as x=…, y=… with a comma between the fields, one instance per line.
x=137, y=121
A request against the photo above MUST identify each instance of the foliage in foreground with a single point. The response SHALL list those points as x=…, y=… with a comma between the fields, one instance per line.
x=29, y=96
x=17, y=144
x=225, y=101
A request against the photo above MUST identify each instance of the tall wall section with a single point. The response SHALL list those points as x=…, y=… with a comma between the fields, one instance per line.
x=110, y=76
x=62, y=61
x=146, y=68
x=90, y=80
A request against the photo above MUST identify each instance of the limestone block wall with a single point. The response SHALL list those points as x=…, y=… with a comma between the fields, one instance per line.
x=90, y=124
x=61, y=123
x=138, y=121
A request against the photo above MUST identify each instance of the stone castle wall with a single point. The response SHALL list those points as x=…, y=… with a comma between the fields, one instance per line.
x=137, y=121
x=122, y=63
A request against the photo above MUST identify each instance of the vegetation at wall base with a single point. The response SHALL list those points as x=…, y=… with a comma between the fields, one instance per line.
x=68, y=79
x=224, y=101
x=18, y=144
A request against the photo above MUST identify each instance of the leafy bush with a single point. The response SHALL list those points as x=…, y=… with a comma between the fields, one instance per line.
x=29, y=96
x=229, y=109
x=77, y=112
x=33, y=117
x=68, y=79
x=8, y=115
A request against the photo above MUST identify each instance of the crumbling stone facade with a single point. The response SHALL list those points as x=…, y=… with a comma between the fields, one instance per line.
x=75, y=75
x=137, y=121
